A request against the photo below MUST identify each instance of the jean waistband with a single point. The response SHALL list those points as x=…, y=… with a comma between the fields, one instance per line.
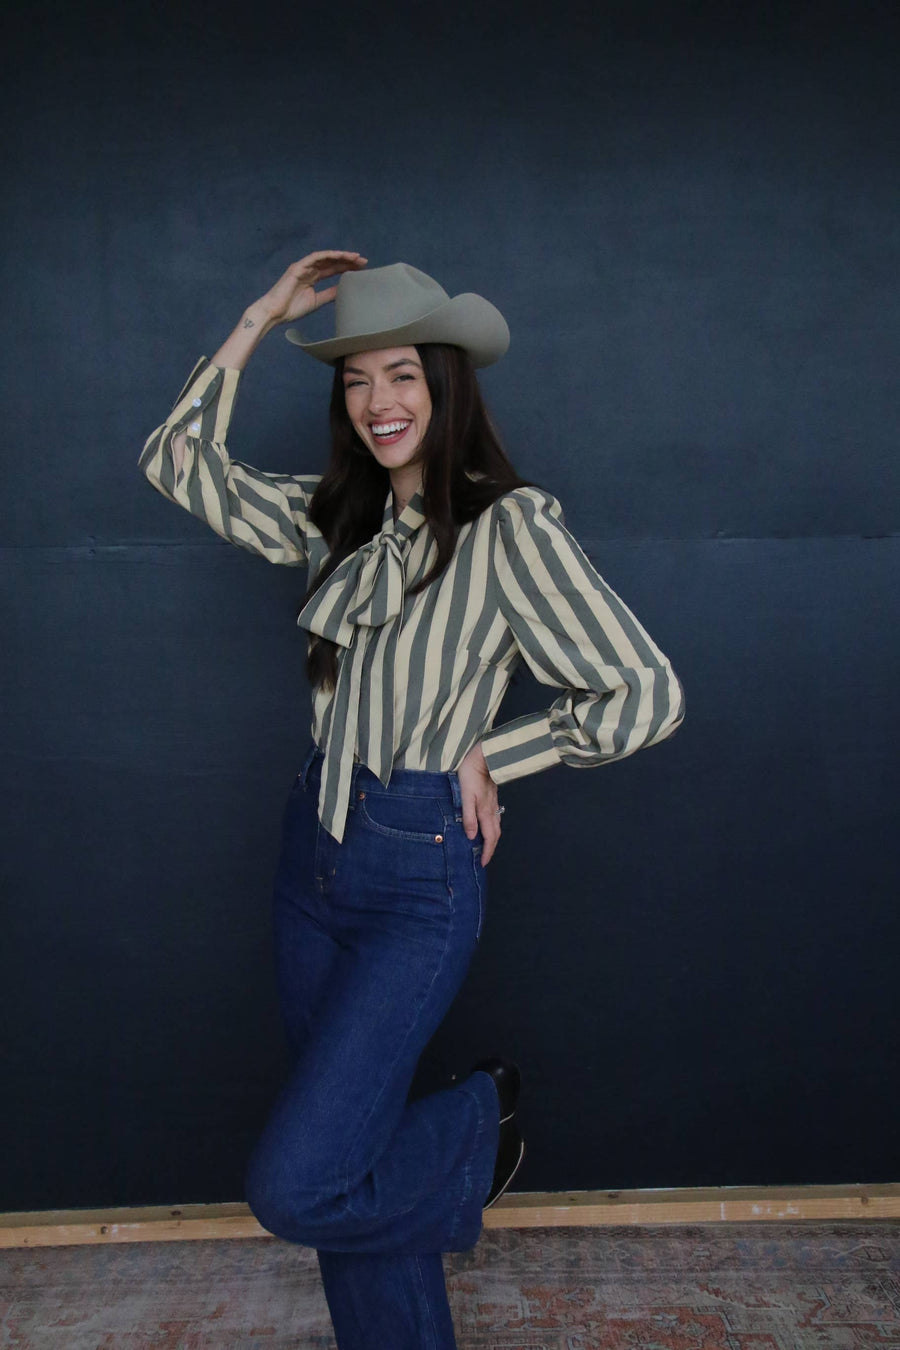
x=404, y=782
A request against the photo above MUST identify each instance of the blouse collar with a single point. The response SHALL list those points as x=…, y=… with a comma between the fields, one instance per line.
x=409, y=519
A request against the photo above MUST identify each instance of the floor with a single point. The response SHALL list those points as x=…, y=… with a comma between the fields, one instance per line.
x=742, y=1286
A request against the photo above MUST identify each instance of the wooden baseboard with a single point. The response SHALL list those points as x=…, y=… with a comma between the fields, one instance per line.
x=521, y=1209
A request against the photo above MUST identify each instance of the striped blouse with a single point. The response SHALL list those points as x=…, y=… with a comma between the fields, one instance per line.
x=420, y=678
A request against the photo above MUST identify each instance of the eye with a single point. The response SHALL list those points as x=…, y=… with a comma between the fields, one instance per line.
x=350, y=383
x=406, y=377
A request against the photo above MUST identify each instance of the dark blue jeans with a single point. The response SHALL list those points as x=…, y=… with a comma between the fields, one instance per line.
x=373, y=937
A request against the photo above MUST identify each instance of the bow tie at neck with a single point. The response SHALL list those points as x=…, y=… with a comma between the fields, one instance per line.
x=362, y=595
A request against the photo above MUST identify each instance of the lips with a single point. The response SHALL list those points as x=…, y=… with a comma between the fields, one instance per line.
x=387, y=433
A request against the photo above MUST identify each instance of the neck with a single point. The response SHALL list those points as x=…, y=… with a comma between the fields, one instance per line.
x=405, y=483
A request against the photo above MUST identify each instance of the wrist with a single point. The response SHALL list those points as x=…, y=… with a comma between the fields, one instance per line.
x=477, y=755
x=256, y=321
x=243, y=340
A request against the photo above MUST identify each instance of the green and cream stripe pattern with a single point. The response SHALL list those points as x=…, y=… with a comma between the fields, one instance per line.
x=420, y=678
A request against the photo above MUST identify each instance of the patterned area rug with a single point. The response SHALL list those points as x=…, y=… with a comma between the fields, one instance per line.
x=751, y=1286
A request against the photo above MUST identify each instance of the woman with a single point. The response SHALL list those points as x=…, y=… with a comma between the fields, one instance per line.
x=433, y=570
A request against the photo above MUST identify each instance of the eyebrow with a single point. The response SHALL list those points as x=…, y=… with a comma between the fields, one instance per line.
x=403, y=361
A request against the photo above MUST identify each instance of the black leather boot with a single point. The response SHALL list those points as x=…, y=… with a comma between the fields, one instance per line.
x=510, y=1152
x=507, y=1081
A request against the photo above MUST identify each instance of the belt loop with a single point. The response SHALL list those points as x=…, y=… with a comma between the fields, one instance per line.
x=357, y=765
x=453, y=776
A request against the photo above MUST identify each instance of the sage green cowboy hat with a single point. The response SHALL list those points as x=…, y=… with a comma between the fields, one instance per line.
x=398, y=306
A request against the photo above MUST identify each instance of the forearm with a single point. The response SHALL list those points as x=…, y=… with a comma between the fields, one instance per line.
x=265, y=513
x=292, y=296
x=233, y=354
x=244, y=339
x=584, y=728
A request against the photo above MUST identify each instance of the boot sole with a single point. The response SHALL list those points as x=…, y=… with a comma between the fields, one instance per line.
x=509, y=1178
x=509, y=1115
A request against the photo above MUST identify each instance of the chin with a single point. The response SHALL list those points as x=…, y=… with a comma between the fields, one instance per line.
x=390, y=463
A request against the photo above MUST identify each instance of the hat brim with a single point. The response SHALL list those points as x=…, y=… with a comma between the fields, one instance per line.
x=467, y=321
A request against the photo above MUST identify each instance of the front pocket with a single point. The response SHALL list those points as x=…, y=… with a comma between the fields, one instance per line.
x=420, y=820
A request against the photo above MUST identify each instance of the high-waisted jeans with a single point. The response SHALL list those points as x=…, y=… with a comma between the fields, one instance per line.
x=373, y=937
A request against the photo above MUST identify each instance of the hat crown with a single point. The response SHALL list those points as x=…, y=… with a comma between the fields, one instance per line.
x=399, y=306
x=384, y=297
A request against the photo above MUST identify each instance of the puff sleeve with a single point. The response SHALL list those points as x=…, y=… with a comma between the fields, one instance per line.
x=620, y=692
x=266, y=513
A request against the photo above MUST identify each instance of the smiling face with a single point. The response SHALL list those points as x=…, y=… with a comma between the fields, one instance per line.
x=388, y=402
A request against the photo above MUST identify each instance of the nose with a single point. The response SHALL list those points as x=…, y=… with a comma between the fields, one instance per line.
x=380, y=398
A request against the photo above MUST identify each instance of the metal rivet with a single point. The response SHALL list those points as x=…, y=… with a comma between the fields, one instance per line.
x=361, y=795
x=438, y=838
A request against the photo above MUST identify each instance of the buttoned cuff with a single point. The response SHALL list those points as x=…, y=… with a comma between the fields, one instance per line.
x=519, y=747
x=206, y=403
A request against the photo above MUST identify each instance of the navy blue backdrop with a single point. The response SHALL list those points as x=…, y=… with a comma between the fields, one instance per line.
x=691, y=224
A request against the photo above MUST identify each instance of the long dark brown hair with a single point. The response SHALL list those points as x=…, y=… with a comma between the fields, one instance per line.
x=348, y=503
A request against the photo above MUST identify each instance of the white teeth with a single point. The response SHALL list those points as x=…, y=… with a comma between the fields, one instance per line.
x=388, y=428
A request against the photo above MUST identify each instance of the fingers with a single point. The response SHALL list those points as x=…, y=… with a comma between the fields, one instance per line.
x=332, y=253
x=331, y=267
x=326, y=255
x=490, y=843
x=483, y=813
x=323, y=297
x=326, y=263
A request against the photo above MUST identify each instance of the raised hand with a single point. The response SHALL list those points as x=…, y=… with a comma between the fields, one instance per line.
x=294, y=294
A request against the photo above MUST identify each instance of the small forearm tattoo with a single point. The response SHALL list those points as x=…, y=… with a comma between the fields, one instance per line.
x=248, y=323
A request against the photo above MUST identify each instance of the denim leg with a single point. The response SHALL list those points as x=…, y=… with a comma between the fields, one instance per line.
x=304, y=949
x=380, y=1187
x=385, y=1300
x=344, y=1163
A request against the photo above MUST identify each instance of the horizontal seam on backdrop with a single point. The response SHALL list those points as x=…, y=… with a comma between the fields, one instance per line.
x=91, y=550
